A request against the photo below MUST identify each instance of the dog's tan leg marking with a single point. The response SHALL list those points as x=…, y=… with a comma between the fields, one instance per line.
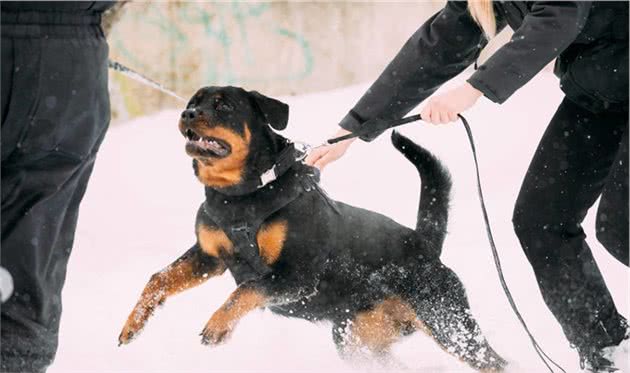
x=213, y=241
x=181, y=275
x=241, y=302
x=377, y=329
x=226, y=171
x=270, y=239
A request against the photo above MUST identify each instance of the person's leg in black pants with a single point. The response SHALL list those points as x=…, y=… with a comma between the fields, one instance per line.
x=613, y=207
x=55, y=112
x=571, y=167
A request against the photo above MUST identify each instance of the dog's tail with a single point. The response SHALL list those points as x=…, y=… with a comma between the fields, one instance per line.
x=435, y=192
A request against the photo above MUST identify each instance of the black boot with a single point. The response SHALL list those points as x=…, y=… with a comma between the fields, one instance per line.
x=602, y=359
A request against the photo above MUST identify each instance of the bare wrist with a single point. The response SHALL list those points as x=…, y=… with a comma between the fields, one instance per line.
x=473, y=91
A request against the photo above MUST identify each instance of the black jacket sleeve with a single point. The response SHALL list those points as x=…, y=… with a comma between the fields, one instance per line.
x=441, y=48
x=548, y=29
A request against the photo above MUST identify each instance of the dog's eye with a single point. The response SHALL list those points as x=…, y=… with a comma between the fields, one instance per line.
x=221, y=105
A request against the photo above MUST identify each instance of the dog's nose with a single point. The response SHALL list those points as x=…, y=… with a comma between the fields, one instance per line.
x=190, y=114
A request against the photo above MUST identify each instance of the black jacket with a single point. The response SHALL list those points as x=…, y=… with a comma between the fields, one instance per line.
x=57, y=6
x=589, y=39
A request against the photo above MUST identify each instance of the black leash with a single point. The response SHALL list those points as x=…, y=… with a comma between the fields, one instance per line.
x=497, y=262
x=375, y=127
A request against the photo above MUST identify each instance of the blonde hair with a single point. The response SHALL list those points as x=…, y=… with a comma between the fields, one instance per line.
x=483, y=14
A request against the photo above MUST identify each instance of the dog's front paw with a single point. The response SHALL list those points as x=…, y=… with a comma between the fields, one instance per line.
x=133, y=326
x=128, y=333
x=217, y=331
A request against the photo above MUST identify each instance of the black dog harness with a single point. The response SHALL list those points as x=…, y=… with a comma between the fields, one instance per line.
x=240, y=217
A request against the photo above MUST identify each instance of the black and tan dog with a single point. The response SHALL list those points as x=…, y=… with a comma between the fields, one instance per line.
x=295, y=251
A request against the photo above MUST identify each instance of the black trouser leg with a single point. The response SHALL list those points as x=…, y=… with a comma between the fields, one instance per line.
x=55, y=112
x=569, y=171
x=613, y=207
x=37, y=237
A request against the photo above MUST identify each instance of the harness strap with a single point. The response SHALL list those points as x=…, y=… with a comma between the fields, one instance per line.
x=243, y=237
x=241, y=217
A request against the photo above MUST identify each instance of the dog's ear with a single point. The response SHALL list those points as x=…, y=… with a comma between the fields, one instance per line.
x=275, y=112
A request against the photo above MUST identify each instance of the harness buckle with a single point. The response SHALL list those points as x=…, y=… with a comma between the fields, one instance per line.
x=240, y=228
x=242, y=235
x=268, y=176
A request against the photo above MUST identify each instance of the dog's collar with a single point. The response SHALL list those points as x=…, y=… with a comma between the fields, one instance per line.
x=286, y=159
x=291, y=155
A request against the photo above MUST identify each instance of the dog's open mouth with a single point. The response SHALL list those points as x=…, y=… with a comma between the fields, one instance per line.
x=205, y=146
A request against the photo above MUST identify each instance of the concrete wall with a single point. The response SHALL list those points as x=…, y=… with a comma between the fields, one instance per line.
x=278, y=48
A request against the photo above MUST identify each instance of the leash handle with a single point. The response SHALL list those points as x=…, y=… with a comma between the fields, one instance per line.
x=383, y=126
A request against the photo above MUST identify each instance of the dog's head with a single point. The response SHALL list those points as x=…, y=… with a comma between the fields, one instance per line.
x=229, y=134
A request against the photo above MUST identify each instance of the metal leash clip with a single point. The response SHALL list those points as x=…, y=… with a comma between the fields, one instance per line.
x=302, y=150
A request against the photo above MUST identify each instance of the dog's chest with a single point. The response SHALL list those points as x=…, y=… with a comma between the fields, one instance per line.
x=253, y=242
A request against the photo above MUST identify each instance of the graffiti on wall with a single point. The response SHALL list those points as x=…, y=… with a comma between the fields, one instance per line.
x=278, y=48
x=223, y=39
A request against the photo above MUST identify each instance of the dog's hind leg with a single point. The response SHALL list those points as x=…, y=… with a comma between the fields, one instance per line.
x=441, y=305
x=372, y=332
x=356, y=352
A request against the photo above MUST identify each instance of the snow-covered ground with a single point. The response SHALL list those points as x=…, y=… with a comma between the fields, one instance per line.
x=138, y=216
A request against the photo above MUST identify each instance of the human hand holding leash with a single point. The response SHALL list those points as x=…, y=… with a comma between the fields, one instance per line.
x=443, y=108
x=320, y=157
